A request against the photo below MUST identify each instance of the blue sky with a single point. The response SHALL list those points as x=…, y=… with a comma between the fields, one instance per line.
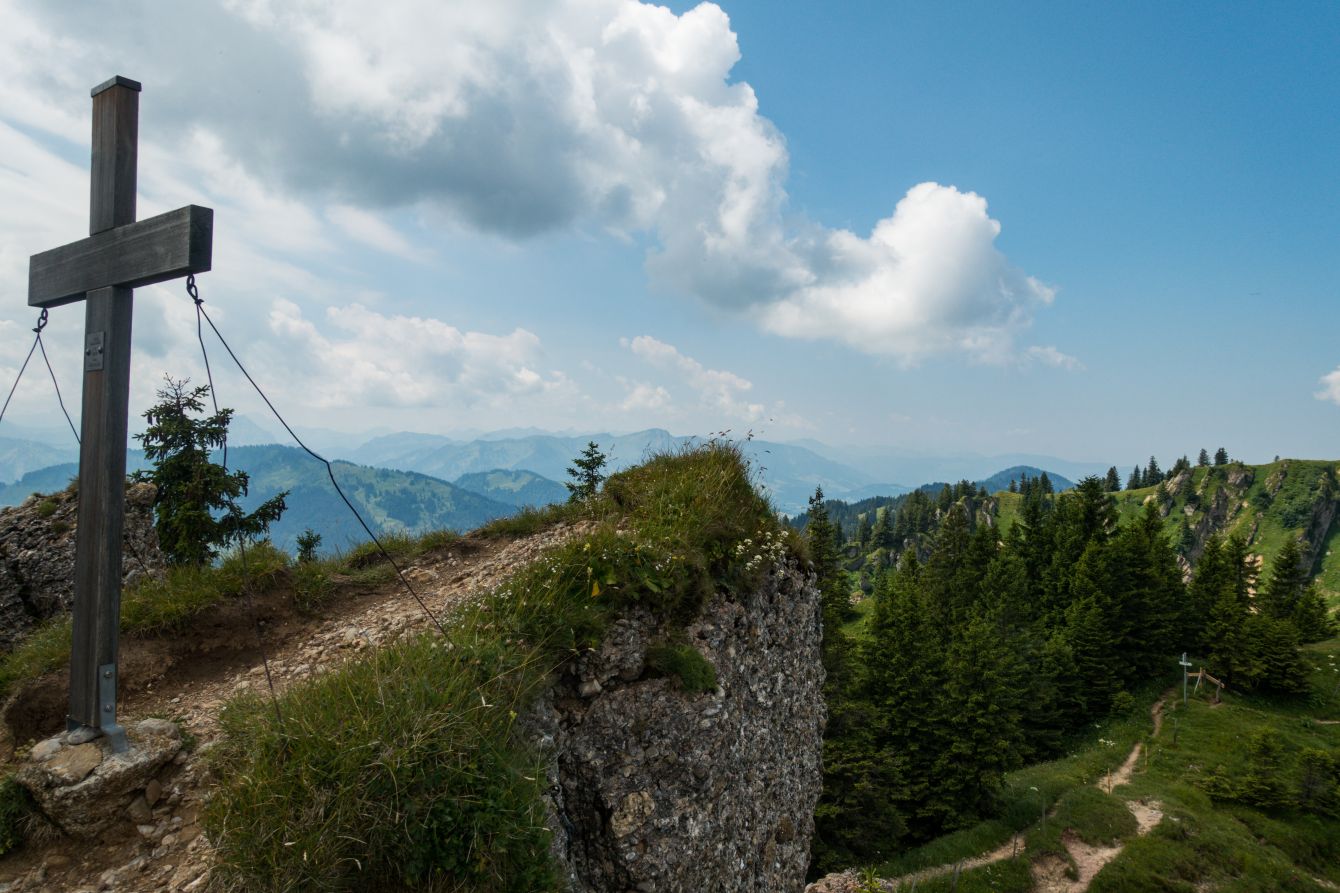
x=603, y=216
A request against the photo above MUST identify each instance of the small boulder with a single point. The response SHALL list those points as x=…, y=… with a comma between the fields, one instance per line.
x=73, y=764
x=83, y=789
x=45, y=750
x=139, y=811
x=163, y=727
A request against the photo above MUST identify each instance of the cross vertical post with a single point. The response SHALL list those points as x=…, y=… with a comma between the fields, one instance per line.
x=104, y=423
x=119, y=255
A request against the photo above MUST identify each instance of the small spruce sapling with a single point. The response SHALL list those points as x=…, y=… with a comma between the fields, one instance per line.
x=308, y=542
x=586, y=473
x=196, y=510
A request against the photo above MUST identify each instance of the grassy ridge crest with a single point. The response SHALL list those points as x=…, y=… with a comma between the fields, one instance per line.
x=404, y=768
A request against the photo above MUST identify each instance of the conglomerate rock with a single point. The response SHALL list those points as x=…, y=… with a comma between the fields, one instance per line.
x=37, y=555
x=653, y=788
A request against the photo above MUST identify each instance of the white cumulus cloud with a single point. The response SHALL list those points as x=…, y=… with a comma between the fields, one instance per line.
x=1050, y=356
x=1330, y=387
x=716, y=388
x=364, y=358
x=519, y=118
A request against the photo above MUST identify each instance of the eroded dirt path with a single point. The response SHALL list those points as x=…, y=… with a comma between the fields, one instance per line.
x=1051, y=874
x=192, y=684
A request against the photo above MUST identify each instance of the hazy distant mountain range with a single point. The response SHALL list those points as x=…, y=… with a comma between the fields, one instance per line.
x=412, y=481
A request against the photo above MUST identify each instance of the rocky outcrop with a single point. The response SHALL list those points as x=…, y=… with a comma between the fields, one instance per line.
x=84, y=789
x=655, y=788
x=37, y=555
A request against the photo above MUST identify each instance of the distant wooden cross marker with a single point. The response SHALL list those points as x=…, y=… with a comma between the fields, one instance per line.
x=118, y=256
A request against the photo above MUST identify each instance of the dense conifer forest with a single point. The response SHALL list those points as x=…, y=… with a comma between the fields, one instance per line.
x=956, y=653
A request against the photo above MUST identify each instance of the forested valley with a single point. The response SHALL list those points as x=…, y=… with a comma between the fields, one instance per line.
x=959, y=648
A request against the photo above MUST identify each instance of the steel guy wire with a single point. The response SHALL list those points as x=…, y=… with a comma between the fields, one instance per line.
x=330, y=471
x=241, y=540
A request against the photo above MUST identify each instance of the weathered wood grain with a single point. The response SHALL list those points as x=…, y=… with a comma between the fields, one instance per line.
x=164, y=247
x=130, y=252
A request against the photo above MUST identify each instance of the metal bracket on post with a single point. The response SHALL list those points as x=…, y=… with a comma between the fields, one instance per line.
x=93, y=343
x=116, y=736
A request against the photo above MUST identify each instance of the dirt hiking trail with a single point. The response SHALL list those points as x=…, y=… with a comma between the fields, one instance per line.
x=189, y=677
x=1051, y=874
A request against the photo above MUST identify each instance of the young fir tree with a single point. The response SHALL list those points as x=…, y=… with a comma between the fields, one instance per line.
x=1273, y=661
x=1136, y=480
x=1153, y=475
x=1112, y=483
x=1311, y=617
x=1204, y=458
x=882, y=537
x=586, y=472
x=1230, y=651
x=980, y=715
x=196, y=510
x=902, y=662
x=1262, y=783
x=863, y=532
x=1289, y=595
x=1280, y=596
x=1221, y=456
x=1210, y=578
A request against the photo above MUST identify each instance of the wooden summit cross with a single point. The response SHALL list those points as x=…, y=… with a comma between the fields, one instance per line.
x=118, y=256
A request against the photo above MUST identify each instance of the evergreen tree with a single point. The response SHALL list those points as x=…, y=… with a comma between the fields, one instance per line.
x=1186, y=539
x=1262, y=783
x=980, y=715
x=1113, y=481
x=1014, y=486
x=1090, y=646
x=946, y=498
x=863, y=532
x=1319, y=782
x=1280, y=596
x=1221, y=456
x=1204, y=458
x=882, y=537
x=1230, y=651
x=1273, y=661
x=1211, y=576
x=586, y=473
x=195, y=507
x=1153, y=475
x=1311, y=617
x=1136, y=480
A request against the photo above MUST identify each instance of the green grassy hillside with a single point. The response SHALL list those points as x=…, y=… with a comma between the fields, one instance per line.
x=515, y=487
x=1264, y=504
x=1237, y=814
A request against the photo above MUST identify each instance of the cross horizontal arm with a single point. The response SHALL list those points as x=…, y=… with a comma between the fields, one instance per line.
x=154, y=250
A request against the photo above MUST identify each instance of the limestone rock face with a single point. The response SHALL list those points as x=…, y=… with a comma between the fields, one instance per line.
x=653, y=788
x=37, y=556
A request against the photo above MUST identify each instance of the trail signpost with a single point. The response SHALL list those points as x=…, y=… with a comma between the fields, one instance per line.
x=1186, y=669
x=103, y=270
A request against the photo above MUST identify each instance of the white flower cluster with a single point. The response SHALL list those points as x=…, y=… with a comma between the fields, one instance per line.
x=768, y=546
